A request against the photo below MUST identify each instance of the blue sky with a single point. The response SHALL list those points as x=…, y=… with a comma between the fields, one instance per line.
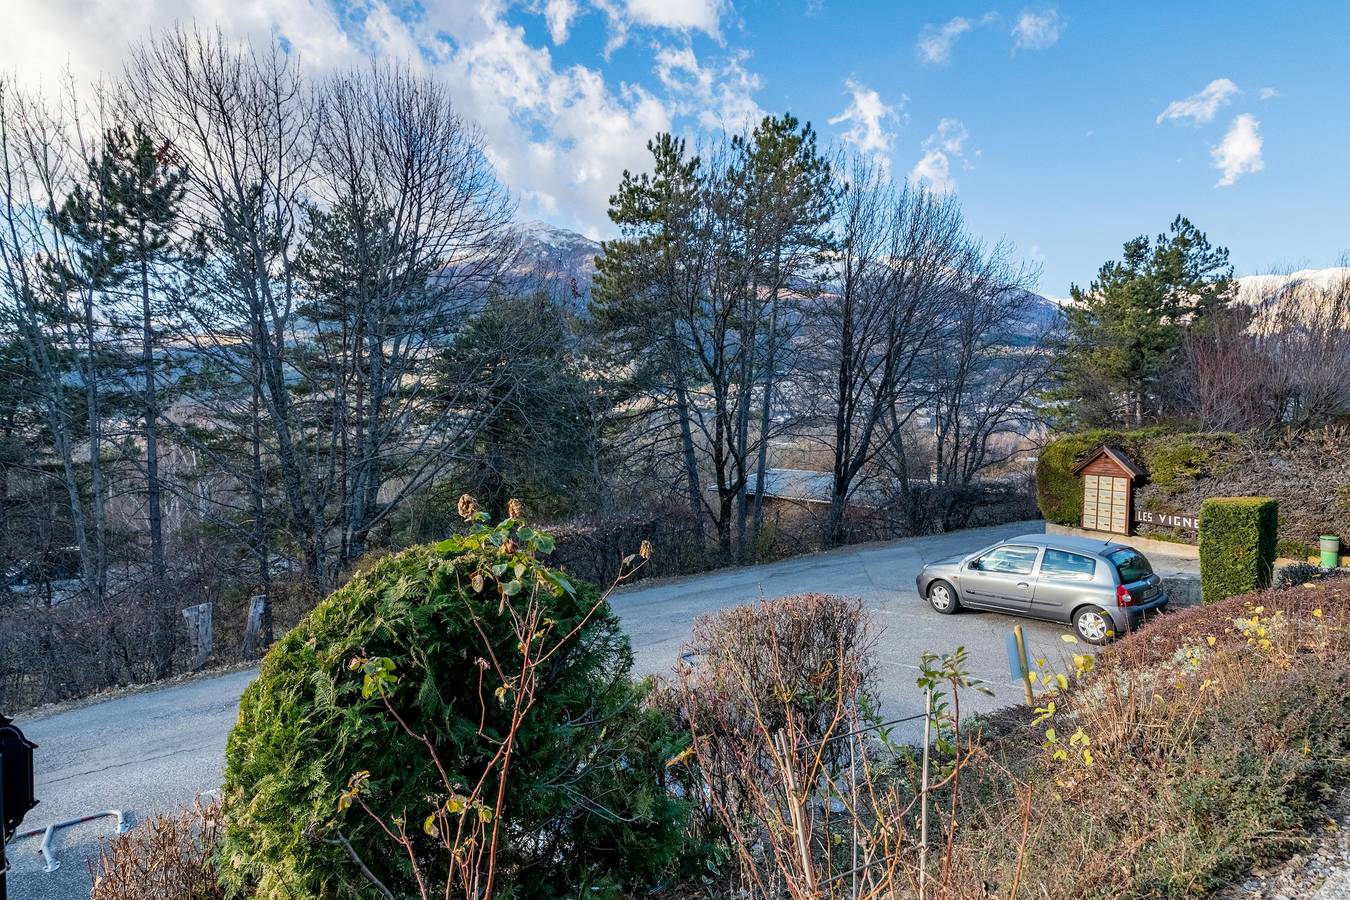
x=1064, y=128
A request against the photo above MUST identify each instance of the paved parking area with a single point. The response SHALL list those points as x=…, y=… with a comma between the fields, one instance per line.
x=155, y=749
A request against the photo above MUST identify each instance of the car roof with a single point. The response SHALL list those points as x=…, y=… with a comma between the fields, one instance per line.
x=1078, y=544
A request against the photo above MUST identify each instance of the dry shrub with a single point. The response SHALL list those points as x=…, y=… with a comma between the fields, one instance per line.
x=166, y=857
x=798, y=664
x=1192, y=750
x=772, y=700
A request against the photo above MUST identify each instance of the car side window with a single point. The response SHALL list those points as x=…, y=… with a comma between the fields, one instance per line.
x=1062, y=565
x=1008, y=560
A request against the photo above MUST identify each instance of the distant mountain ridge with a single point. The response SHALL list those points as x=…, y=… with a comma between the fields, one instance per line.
x=1259, y=290
x=558, y=258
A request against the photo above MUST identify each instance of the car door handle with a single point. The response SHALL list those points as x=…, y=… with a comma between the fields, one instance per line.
x=1023, y=584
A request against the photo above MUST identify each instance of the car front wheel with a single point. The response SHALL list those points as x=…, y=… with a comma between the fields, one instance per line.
x=1093, y=625
x=942, y=597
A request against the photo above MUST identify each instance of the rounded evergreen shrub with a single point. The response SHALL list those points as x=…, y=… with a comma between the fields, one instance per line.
x=458, y=707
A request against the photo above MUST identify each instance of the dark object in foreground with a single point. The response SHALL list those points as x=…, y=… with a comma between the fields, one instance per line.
x=16, y=785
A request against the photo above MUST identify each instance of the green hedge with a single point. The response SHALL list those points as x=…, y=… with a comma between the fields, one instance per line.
x=1171, y=458
x=585, y=810
x=1238, y=536
x=1059, y=493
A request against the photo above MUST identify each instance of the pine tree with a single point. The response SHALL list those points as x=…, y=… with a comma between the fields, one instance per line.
x=1125, y=331
x=645, y=284
x=124, y=219
x=789, y=200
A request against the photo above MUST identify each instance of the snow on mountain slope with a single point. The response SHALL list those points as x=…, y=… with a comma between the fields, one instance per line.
x=1258, y=290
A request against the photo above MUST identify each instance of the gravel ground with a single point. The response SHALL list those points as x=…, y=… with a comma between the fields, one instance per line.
x=1320, y=872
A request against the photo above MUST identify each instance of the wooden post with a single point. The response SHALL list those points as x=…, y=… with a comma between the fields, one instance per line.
x=1026, y=666
x=923, y=794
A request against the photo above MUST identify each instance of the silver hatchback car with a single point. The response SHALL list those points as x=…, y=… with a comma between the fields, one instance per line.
x=1103, y=588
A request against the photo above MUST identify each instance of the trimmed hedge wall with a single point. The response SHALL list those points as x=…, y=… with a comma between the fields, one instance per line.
x=1238, y=536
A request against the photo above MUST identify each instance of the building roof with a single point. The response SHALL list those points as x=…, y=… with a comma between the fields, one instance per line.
x=807, y=486
x=1117, y=456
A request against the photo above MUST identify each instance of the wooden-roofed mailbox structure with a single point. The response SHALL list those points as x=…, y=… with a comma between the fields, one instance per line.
x=1108, y=477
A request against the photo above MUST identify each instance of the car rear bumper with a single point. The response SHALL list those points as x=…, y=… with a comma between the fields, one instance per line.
x=1131, y=617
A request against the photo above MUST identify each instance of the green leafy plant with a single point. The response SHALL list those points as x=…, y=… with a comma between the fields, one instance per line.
x=1238, y=538
x=457, y=721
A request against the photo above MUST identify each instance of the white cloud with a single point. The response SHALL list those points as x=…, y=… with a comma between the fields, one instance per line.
x=935, y=42
x=680, y=15
x=720, y=96
x=1268, y=93
x=868, y=115
x=1036, y=31
x=934, y=169
x=559, y=15
x=1239, y=153
x=673, y=15
x=1203, y=105
x=560, y=136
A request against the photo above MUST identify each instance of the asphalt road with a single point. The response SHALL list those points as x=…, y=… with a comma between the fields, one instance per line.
x=155, y=749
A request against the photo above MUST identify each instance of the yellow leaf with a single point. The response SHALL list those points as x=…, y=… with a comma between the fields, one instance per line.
x=429, y=825
x=680, y=757
x=1210, y=640
x=455, y=805
x=1087, y=756
x=1031, y=676
x=1068, y=639
x=1317, y=613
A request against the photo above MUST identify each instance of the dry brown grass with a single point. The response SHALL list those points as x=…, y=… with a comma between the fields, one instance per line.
x=1193, y=750
x=166, y=857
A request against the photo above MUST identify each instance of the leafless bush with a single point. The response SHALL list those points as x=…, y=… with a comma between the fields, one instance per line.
x=809, y=793
x=1283, y=363
x=167, y=857
x=592, y=548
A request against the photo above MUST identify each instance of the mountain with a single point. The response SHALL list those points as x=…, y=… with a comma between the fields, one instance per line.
x=558, y=259
x=1260, y=290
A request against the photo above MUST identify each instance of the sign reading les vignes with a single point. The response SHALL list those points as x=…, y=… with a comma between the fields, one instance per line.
x=1166, y=520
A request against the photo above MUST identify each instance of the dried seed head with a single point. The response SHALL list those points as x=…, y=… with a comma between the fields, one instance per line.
x=509, y=546
x=468, y=507
x=645, y=550
x=515, y=509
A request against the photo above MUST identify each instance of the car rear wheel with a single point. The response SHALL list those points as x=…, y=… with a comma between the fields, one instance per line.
x=1093, y=624
x=942, y=597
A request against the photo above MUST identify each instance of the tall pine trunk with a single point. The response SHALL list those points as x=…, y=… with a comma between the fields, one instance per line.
x=151, y=413
x=765, y=410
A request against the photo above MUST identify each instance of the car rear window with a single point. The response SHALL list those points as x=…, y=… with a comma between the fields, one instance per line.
x=1131, y=564
x=1066, y=566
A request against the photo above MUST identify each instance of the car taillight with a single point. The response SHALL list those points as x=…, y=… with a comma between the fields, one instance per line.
x=1123, y=597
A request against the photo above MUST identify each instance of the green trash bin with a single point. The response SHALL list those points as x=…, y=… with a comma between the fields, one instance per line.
x=1330, y=545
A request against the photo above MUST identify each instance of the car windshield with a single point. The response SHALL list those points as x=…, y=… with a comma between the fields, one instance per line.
x=1131, y=564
